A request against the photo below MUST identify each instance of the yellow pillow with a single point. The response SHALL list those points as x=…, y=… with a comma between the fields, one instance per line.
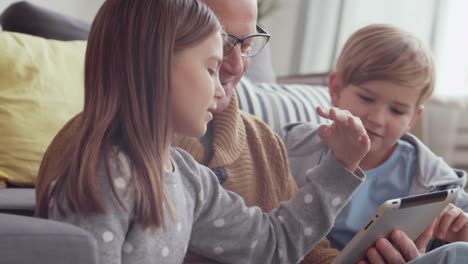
x=41, y=88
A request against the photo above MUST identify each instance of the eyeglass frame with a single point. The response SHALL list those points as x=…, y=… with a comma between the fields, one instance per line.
x=260, y=33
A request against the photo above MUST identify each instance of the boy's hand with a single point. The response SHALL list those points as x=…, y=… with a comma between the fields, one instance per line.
x=403, y=250
x=346, y=137
x=452, y=225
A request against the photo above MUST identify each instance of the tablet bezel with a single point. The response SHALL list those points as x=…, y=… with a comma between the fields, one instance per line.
x=410, y=214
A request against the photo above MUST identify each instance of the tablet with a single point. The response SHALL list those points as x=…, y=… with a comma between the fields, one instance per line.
x=410, y=214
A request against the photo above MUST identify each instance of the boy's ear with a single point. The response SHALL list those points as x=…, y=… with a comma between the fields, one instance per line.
x=416, y=116
x=334, y=88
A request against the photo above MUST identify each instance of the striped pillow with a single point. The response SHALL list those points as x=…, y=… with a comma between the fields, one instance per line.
x=278, y=105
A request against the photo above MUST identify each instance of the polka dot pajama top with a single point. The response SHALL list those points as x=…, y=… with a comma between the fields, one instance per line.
x=211, y=221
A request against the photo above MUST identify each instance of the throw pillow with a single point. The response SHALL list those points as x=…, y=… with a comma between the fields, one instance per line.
x=41, y=88
x=278, y=105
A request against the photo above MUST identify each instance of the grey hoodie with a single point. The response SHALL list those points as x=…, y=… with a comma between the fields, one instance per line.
x=306, y=149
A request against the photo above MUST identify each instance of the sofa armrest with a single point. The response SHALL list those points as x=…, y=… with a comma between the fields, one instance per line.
x=34, y=240
x=28, y=18
x=20, y=201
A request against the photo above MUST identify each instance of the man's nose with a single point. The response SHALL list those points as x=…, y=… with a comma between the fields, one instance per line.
x=232, y=63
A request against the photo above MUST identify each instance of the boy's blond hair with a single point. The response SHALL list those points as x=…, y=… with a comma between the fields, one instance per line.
x=386, y=53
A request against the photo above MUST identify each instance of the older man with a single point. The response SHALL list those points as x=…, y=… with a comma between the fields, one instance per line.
x=247, y=157
x=245, y=154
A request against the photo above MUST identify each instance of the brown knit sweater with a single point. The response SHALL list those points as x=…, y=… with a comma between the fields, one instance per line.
x=255, y=160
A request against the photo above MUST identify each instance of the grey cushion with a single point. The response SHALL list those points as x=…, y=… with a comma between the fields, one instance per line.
x=21, y=199
x=278, y=105
x=33, y=240
x=24, y=17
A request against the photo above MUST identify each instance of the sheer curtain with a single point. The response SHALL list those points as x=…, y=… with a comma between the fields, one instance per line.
x=322, y=26
x=451, y=49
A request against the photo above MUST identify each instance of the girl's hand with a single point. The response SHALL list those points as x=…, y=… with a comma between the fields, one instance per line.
x=346, y=137
x=452, y=225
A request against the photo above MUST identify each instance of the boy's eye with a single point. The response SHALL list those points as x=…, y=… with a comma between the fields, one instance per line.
x=366, y=99
x=397, y=111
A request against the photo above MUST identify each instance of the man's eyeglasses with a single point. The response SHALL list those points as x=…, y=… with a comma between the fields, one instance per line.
x=250, y=45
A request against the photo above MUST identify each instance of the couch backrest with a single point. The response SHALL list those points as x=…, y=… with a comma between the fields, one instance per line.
x=280, y=104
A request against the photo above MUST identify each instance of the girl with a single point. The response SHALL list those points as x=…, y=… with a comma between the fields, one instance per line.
x=150, y=74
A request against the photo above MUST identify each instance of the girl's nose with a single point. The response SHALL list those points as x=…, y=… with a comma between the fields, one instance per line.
x=219, y=91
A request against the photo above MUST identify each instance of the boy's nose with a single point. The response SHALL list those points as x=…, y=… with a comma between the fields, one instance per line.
x=376, y=116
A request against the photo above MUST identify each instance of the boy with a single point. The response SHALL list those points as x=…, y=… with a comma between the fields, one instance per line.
x=383, y=76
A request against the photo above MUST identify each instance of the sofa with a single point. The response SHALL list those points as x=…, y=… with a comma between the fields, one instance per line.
x=41, y=87
x=30, y=240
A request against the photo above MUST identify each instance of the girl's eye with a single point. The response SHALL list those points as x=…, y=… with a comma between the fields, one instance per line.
x=367, y=99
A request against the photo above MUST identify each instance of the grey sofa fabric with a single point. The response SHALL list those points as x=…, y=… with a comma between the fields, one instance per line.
x=17, y=201
x=27, y=18
x=31, y=240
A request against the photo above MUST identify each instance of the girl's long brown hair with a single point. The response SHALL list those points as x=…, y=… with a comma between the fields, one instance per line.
x=127, y=90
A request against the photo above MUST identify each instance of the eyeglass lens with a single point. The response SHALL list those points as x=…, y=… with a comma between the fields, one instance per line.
x=250, y=46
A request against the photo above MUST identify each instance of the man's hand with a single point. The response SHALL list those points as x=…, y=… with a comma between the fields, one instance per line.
x=403, y=250
x=346, y=137
x=452, y=225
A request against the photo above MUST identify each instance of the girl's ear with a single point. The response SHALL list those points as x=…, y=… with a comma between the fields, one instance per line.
x=334, y=88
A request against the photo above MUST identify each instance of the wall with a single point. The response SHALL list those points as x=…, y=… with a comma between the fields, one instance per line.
x=280, y=25
x=305, y=33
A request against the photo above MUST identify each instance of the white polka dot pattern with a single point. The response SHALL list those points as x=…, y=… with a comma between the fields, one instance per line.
x=281, y=218
x=281, y=254
x=107, y=236
x=254, y=244
x=165, y=252
x=251, y=211
x=308, y=231
x=219, y=223
x=218, y=250
x=308, y=198
x=127, y=248
x=337, y=201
